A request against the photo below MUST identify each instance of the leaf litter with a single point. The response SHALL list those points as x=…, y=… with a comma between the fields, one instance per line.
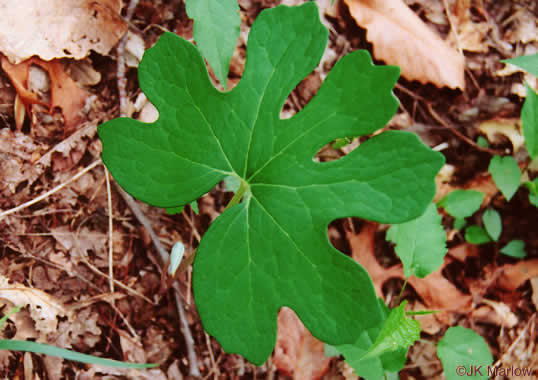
x=30, y=251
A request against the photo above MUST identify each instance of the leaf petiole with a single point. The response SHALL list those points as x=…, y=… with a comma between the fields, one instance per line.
x=238, y=195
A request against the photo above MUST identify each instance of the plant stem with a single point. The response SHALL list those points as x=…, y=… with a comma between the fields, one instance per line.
x=401, y=291
x=238, y=195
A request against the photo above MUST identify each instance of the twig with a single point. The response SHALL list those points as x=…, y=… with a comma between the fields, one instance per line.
x=457, y=133
x=163, y=259
x=84, y=257
x=110, y=234
x=452, y=27
x=48, y=193
x=163, y=254
x=515, y=342
x=212, y=357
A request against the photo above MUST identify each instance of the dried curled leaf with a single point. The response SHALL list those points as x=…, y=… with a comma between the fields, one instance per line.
x=59, y=29
x=401, y=38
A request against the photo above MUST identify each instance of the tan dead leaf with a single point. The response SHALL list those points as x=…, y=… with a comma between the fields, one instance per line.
x=65, y=93
x=401, y=38
x=534, y=285
x=44, y=309
x=79, y=244
x=506, y=127
x=436, y=291
x=512, y=276
x=59, y=29
x=297, y=353
x=471, y=36
x=461, y=251
x=502, y=315
x=96, y=371
x=524, y=27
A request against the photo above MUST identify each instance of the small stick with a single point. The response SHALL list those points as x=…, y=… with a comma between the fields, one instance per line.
x=48, y=193
x=457, y=133
x=110, y=233
x=163, y=259
x=452, y=27
x=515, y=342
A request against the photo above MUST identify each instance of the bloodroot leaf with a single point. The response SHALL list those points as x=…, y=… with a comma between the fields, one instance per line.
x=271, y=250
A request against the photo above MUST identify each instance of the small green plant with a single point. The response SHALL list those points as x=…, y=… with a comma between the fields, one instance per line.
x=461, y=351
x=40, y=348
x=269, y=248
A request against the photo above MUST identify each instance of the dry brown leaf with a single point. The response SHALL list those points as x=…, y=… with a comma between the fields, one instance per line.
x=59, y=29
x=65, y=93
x=297, y=353
x=534, y=287
x=512, y=276
x=506, y=127
x=471, y=36
x=44, y=309
x=401, y=38
x=435, y=290
x=461, y=251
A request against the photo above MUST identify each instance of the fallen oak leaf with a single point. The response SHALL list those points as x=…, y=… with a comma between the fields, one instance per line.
x=512, y=276
x=399, y=37
x=297, y=353
x=436, y=291
x=59, y=29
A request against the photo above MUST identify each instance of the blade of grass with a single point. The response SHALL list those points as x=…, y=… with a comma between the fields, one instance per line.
x=39, y=348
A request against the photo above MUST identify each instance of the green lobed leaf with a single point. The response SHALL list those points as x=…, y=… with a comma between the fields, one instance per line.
x=529, y=119
x=215, y=30
x=463, y=347
x=272, y=249
x=506, y=175
x=462, y=203
x=377, y=367
x=526, y=62
x=476, y=235
x=492, y=223
x=515, y=248
x=420, y=243
x=28, y=346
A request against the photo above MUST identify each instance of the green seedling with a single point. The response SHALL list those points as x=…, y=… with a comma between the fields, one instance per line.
x=492, y=223
x=506, y=175
x=515, y=248
x=420, y=243
x=381, y=351
x=269, y=248
x=462, y=203
x=462, y=351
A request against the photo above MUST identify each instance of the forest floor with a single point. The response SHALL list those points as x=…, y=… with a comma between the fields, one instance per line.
x=55, y=252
